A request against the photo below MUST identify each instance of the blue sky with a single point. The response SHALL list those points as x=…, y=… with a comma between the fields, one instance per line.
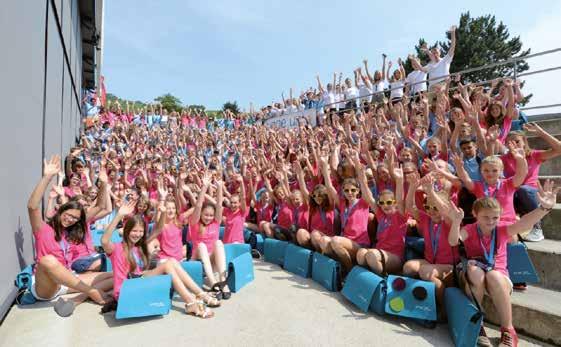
x=251, y=51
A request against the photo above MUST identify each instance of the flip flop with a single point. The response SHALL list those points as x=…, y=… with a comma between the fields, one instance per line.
x=64, y=308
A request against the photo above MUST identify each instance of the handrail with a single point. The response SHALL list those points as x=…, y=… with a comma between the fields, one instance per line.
x=479, y=68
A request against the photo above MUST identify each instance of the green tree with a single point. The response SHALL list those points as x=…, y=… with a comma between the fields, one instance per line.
x=232, y=106
x=170, y=102
x=480, y=41
x=198, y=107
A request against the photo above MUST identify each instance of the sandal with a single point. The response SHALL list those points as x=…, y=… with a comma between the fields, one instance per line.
x=208, y=300
x=216, y=289
x=201, y=312
x=220, y=288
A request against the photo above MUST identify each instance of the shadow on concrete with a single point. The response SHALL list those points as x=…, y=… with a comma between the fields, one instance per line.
x=113, y=322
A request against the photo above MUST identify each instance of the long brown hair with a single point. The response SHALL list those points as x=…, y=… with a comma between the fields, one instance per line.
x=76, y=233
x=127, y=247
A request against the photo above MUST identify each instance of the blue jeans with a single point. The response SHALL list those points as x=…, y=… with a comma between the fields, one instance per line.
x=526, y=200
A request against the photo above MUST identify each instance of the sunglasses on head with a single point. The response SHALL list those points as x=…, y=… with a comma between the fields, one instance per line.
x=351, y=190
x=386, y=202
x=429, y=207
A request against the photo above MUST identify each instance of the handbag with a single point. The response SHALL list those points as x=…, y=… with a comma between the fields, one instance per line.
x=365, y=289
x=240, y=271
x=326, y=272
x=298, y=260
x=409, y=297
x=146, y=296
x=274, y=251
x=519, y=265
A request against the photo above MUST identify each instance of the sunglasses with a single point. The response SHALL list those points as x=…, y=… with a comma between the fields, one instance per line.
x=429, y=207
x=386, y=202
x=352, y=190
x=318, y=195
x=408, y=172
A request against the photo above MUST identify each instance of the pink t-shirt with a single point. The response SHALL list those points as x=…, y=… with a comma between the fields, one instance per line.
x=391, y=232
x=354, y=221
x=505, y=129
x=264, y=213
x=474, y=245
x=534, y=161
x=82, y=249
x=289, y=215
x=233, y=225
x=209, y=237
x=504, y=195
x=121, y=267
x=46, y=244
x=323, y=221
x=170, y=242
x=445, y=254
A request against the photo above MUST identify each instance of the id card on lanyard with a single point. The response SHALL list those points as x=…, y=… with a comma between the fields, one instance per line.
x=489, y=256
x=347, y=214
x=486, y=189
x=434, y=238
x=65, y=248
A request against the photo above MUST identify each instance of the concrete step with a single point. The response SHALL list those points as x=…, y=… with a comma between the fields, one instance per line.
x=546, y=256
x=551, y=123
x=536, y=312
x=536, y=142
x=551, y=224
x=551, y=167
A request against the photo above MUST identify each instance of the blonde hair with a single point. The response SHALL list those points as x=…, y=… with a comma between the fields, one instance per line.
x=493, y=160
x=486, y=203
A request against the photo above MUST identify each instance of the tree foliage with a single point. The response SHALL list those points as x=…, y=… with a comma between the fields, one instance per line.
x=169, y=102
x=232, y=106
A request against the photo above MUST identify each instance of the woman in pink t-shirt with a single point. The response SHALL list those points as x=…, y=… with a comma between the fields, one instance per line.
x=204, y=225
x=235, y=214
x=53, y=276
x=525, y=197
x=486, y=247
x=130, y=259
x=321, y=219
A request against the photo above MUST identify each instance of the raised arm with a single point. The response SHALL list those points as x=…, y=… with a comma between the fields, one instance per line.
x=554, y=151
x=461, y=171
x=331, y=191
x=410, y=198
x=50, y=169
x=370, y=77
x=220, y=200
x=547, y=198
x=456, y=215
x=301, y=182
x=452, y=41
x=196, y=216
x=124, y=210
x=521, y=164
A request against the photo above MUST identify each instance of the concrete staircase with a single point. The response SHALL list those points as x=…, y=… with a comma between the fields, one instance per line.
x=536, y=312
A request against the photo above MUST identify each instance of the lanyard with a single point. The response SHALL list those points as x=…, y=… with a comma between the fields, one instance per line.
x=434, y=238
x=137, y=259
x=347, y=213
x=262, y=212
x=295, y=214
x=486, y=189
x=322, y=216
x=490, y=256
x=382, y=225
x=65, y=247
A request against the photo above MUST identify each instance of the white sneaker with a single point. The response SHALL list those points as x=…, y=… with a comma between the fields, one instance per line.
x=535, y=235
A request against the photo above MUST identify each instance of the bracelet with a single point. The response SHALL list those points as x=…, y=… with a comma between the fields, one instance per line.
x=545, y=209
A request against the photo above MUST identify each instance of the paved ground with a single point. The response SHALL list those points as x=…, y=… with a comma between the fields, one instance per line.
x=277, y=309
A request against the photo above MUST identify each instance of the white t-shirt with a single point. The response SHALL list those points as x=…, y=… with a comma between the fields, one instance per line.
x=351, y=93
x=364, y=91
x=414, y=77
x=339, y=97
x=328, y=98
x=396, y=93
x=442, y=68
x=290, y=109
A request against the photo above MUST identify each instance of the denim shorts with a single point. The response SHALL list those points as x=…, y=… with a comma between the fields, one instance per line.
x=81, y=265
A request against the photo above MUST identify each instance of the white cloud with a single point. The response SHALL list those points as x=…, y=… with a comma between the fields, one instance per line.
x=545, y=86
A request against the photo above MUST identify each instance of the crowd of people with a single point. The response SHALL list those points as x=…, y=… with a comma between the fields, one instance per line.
x=369, y=182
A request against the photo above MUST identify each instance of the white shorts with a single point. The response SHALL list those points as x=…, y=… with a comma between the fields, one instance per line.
x=61, y=291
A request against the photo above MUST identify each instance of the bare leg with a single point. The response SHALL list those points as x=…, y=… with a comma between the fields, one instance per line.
x=303, y=238
x=499, y=290
x=361, y=256
x=435, y=273
x=374, y=261
x=325, y=246
x=477, y=279
x=219, y=259
x=345, y=250
x=51, y=274
x=252, y=227
x=202, y=254
x=412, y=267
x=315, y=239
x=268, y=230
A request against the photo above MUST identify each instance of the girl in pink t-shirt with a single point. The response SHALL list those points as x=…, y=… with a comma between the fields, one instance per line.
x=130, y=259
x=353, y=210
x=492, y=185
x=204, y=226
x=486, y=247
x=498, y=114
x=439, y=256
x=235, y=214
x=525, y=198
x=53, y=276
x=321, y=219
x=388, y=255
x=168, y=228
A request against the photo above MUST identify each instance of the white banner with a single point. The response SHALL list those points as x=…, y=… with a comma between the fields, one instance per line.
x=293, y=120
